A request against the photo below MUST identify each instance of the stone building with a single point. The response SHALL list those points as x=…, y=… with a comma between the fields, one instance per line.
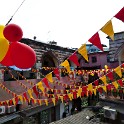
x=116, y=50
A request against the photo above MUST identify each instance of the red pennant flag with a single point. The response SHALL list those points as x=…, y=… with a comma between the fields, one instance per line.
x=108, y=87
x=95, y=40
x=120, y=15
x=74, y=59
x=25, y=96
x=120, y=82
x=96, y=82
x=16, y=100
x=100, y=89
x=35, y=91
x=10, y=102
x=56, y=72
x=122, y=65
x=46, y=82
x=110, y=75
x=74, y=95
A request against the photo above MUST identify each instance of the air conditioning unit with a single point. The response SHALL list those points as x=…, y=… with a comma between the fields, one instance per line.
x=2, y=109
x=110, y=113
x=10, y=109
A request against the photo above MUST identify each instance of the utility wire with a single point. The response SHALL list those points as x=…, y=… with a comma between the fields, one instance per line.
x=15, y=12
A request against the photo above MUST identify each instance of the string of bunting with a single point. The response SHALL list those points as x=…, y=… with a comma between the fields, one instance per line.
x=95, y=40
x=85, y=90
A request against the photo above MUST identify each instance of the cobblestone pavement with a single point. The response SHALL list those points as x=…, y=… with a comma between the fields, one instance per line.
x=79, y=118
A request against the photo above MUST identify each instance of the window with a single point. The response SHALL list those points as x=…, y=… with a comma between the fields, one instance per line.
x=94, y=59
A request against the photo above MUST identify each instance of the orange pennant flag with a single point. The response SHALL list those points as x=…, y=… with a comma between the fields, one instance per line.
x=46, y=101
x=40, y=86
x=20, y=98
x=49, y=77
x=103, y=78
x=30, y=93
x=54, y=101
x=90, y=87
x=115, y=84
x=118, y=71
x=70, y=95
x=108, y=29
x=61, y=97
x=104, y=88
x=66, y=65
x=83, y=51
x=14, y=102
x=94, y=90
x=79, y=91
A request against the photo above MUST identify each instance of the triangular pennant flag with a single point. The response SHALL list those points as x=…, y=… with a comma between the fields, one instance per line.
x=46, y=82
x=118, y=71
x=56, y=72
x=120, y=15
x=79, y=91
x=49, y=77
x=74, y=59
x=110, y=75
x=90, y=87
x=103, y=78
x=14, y=102
x=54, y=101
x=46, y=102
x=20, y=98
x=61, y=97
x=94, y=90
x=35, y=91
x=40, y=86
x=115, y=84
x=95, y=40
x=108, y=29
x=96, y=82
x=66, y=65
x=30, y=93
x=25, y=96
x=104, y=88
x=120, y=82
x=70, y=95
x=83, y=51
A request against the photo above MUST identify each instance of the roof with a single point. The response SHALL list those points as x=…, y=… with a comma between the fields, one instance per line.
x=79, y=118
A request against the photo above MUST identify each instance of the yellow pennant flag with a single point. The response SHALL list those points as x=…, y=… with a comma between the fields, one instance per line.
x=115, y=84
x=20, y=98
x=70, y=96
x=46, y=101
x=104, y=88
x=14, y=102
x=49, y=77
x=54, y=101
x=40, y=101
x=79, y=91
x=94, y=90
x=118, y=71
x=40, y=86
x=61, y=97
x=103, y=78
x=90, y=87
x=83, y=51
x=30, y=93
x=7, y=101
x=66, y=65
x=108, y=29
x=35, y=101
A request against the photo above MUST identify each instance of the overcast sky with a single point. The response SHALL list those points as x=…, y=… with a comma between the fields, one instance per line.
x=68, y=22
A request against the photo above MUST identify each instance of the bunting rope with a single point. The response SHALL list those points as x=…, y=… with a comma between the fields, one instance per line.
x=15, y=12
